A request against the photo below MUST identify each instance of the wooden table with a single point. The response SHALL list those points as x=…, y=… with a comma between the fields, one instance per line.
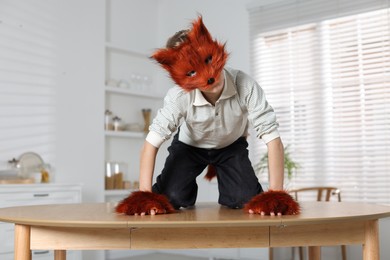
x=96, y=227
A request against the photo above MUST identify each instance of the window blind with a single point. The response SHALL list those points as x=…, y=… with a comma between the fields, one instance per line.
x=27, y=79
x=281, y=14
x=328, y=81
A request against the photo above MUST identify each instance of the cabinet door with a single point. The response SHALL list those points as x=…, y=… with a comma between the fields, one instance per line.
x=6, y=238
x=37, y=198
x=25, y=195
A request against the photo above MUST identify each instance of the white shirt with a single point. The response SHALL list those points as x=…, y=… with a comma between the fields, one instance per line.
x=206, y=126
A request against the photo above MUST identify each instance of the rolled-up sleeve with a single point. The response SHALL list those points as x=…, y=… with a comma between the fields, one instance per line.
x=168, y=117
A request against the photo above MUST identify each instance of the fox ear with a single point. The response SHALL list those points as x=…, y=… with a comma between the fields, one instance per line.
x=165, y=57
x=199, y=31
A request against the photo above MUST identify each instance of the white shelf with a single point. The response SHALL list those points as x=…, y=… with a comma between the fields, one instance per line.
x=126, y=50
x=123, y=192
x=131, y=92
x=127, y=134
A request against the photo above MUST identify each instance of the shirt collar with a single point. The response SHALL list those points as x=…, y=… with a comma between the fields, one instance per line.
x=228, y=91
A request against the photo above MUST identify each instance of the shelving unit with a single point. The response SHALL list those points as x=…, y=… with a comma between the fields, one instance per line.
x=127, y=103
x=129, y=87
x=131, y=92
x=126, y=134
x=118, y=192
x=125, y=50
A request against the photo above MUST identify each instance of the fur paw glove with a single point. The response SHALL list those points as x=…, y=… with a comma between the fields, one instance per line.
x=273, y=203
x=144, y=203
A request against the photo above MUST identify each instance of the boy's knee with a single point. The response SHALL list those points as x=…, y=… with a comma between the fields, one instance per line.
x=232, y=203
x=179, y=199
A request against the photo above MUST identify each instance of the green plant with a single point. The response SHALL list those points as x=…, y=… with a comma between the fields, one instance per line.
x=289, y=164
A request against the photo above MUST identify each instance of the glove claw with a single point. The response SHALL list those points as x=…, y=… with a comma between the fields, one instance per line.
x=267, y=203
x=144, y=203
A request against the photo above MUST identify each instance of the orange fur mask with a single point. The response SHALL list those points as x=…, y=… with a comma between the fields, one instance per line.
x=197, y=62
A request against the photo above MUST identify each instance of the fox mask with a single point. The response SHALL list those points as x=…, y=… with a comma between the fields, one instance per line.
x=197, y=62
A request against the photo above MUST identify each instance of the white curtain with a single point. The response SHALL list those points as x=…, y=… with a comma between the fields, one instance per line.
x=27, y=79
x=325, y=67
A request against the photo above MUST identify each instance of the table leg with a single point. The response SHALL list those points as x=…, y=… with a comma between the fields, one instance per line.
x=314, y=252
x=371, y=240
x=22, y=242
x=59, y=254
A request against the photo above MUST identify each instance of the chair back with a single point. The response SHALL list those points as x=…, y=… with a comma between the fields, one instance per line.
x=323, y=193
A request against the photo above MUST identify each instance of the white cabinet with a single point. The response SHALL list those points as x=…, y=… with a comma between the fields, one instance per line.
x=34, y=194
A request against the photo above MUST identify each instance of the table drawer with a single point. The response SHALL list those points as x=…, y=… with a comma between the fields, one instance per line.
x=38, y=198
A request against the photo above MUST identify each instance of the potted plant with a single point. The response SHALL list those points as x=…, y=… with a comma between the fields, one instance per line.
x=289, y=164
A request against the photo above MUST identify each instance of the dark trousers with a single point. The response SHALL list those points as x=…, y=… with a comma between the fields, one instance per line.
x=237, y=182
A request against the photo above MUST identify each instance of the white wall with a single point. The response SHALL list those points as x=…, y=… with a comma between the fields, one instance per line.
x=80, y=156
x=132, y=24
x=80, y=97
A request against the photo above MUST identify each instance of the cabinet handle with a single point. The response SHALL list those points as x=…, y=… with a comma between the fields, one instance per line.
x=41, y=252
x=41, y=195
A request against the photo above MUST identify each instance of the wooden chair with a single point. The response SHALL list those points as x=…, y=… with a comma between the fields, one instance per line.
x=323, y=194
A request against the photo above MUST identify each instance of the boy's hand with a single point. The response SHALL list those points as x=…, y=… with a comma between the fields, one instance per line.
x=272, y=203
x=144, y=203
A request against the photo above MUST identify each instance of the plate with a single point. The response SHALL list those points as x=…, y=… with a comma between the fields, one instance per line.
x=30, y=162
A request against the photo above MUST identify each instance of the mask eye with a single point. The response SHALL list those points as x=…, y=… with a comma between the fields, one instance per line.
x=191, y=73
x=208, y=59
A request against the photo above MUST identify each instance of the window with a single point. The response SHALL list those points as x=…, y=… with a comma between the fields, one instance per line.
x=329, y=83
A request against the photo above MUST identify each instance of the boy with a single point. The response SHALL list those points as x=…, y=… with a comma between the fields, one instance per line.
x=210, y=107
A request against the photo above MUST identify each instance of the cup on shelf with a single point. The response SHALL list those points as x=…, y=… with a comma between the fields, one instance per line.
x=108, y=124
x=118, y=124
x=109, y=180
x=118, y=181
x=147, y=82
x=115, y=172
